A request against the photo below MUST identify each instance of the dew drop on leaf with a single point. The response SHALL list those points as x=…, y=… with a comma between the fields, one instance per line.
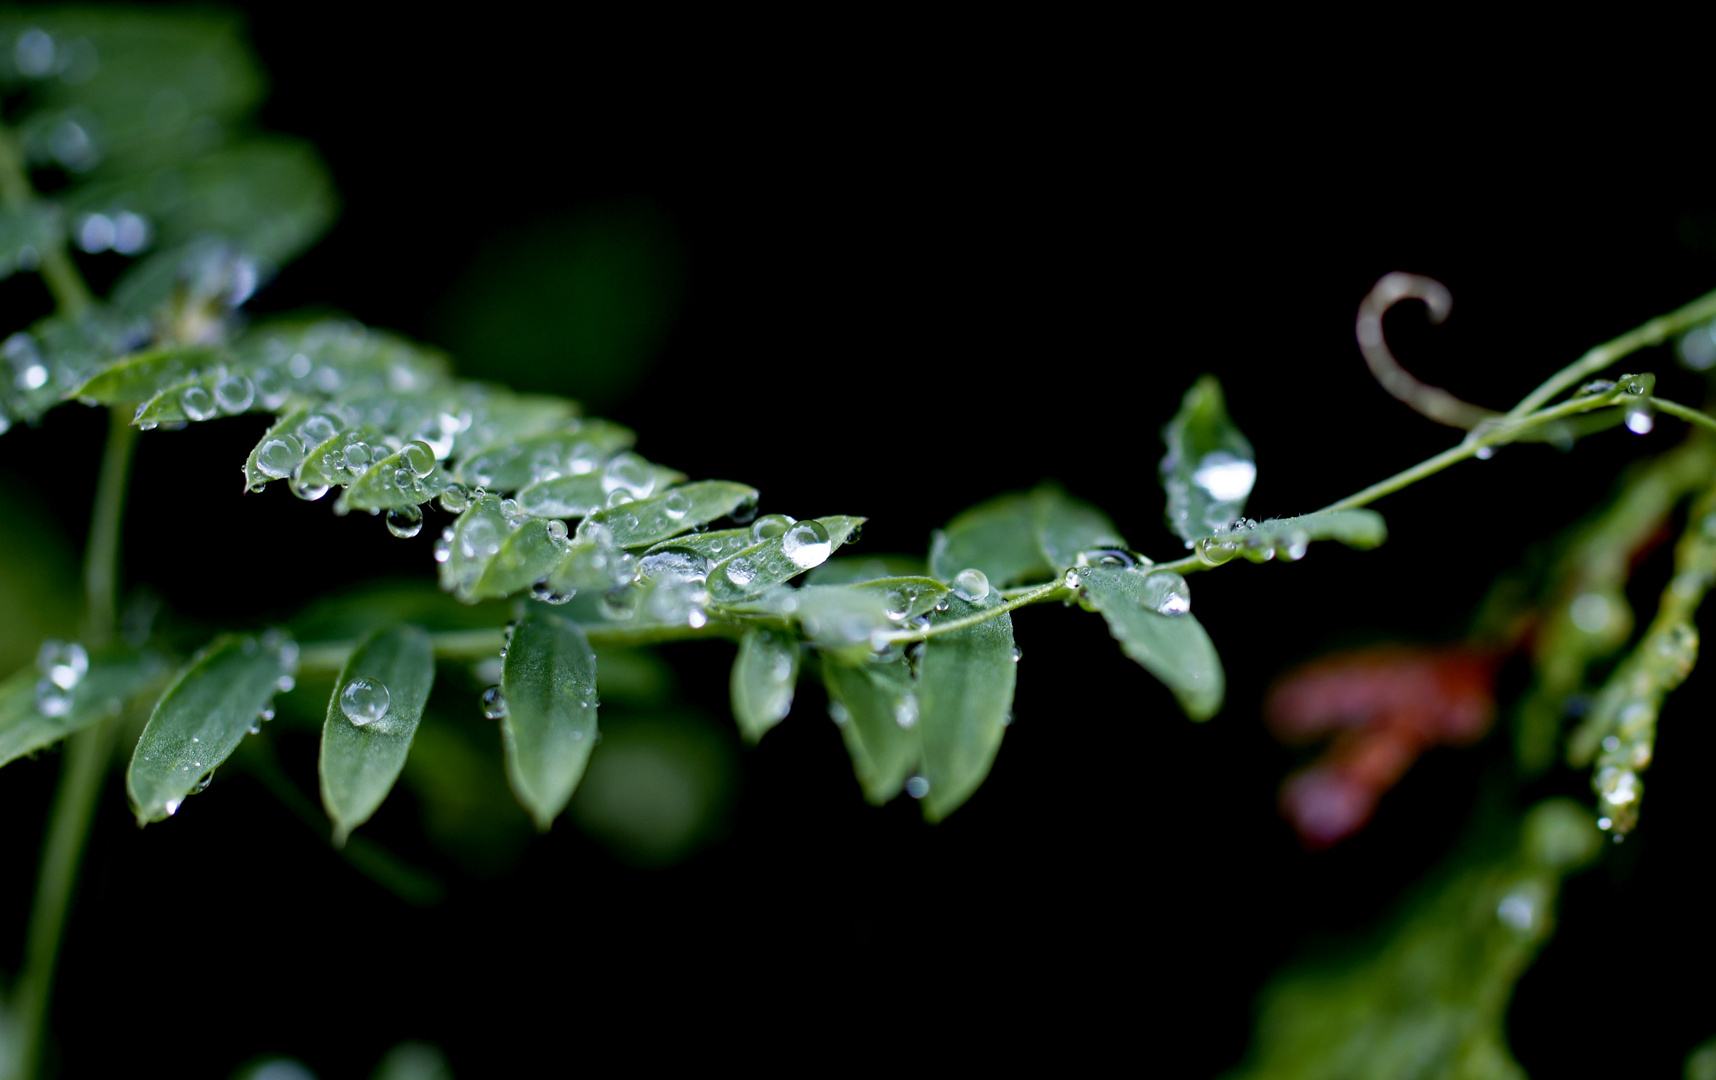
x=234, y=394
x=62, y=663
x=770, y=526
x=279, y=456
x=494, y=703
x=917, y=787
x=970, y=585
x=198, y=403
x=806, y=544
x=365, y=700
x=405, y=521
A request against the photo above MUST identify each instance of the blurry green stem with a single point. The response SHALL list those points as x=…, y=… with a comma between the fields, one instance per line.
x=58, y=270
x=1653, y=332
x=330, y=656
x=1691, y=416
x=86, y=756
x=1035, y=595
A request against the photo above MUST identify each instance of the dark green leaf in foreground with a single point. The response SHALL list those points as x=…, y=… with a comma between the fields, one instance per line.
x=372, y=716
x=549, y=682
x=1172, y=647
x=1209, y=468
x=867, y=702
x=965, y=696
x=202, y=717
x=760, y=567
x=36, y=712
x=1289, y=537
x=1429, y=997
x=763, y=677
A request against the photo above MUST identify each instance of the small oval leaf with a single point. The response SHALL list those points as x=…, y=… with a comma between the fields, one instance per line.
x=866, y=702
x=202, y=717
x=372, y=716
x=112, y=681
x=764, y=674
x=674, y=511
x=965, y=694
x=755, y=569
x=1209, y=469
x=549, y=681
x=1174, y=648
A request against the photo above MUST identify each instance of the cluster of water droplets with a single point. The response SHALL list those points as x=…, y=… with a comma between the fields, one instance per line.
x=1164, y=591
x=1632, y=702
x=119, y=230
x=1257, y=542
x=62, y=666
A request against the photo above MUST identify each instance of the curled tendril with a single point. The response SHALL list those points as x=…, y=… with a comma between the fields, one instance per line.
x=1431, y=401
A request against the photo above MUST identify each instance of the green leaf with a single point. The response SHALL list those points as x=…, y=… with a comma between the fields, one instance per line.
x=478, y=535
x=112, y=681
x=764, y=674
x=202, y=717
x=1289, y=537
x=577, y=496
x=848, y=569
x=372, y=717
x=1209, y=469
x=865, y=701
x=1174, y=648
x=965, y=693
x=141, y=376
x=712, y=546
x=674, y=511
x=905, y=598
x=549, y=681
x=997, y=537
x=527, y=556
x=579, y=450
x=58, y=354
x=756, y=569
x=1022, y=538
x=408, y=478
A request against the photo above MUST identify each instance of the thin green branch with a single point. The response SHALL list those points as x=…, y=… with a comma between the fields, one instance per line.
x=1654, y=332
x=101, y=557
x=1691, y=416
x=330, y=656
x=71, y=295
x=1034, y=595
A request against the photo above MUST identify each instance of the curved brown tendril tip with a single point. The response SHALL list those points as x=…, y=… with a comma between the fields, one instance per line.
x=1432, y=401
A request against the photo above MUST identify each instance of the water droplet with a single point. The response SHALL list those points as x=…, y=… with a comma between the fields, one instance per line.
x=1073, y=579
x=52, y=699
x=546, y=592
x=419, y=457
x=172, y=806
x=1518, y=911
x=62, y=663
x=906, y=710
x=1226, y=477
x=1018, y=654
x=444, y=545
x=494, y=703
x=455, y=498
x=202, y=785
x=405, y=521
x=234, y=394
x=917, y=787
x=630, y=473
x=1109, y=557
x=674, y=564
x=620, y=603
x=770, y=526
x=675, y=506
x=806, y=543
x=970, y=585
x=317, y=429
x=1213, y=550
x=1611, y=743
x=271, y=390
x=198, y=403
x=1591, y=612
x=309, y=491
x=740, y=572
x=365, y=700
x=838, y=712
x=277, y=457
x=1167, y=593
x=1640, y=421
x=1595, y=386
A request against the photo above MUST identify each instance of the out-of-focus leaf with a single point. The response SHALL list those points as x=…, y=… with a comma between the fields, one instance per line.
x=413, y=1061
x=202, y=717
x=372, y=717
x=1209, y=469
x=867, y=701
x=760, y=567
x=674, y=511
x=366, y=608
x=139, y=377
x=27, y=699
x=848, y=569
x=477, y=537
x=660, y=786
x=549, y=680
x=965, y=694
x=1174, y=648
x=1429, y=996
x=580, y=449
x=25, y=233
x=1013, y=539
x=764, y=674
x=1289, y=537
x=711, y=546
x=401, y=480
x=44, y=364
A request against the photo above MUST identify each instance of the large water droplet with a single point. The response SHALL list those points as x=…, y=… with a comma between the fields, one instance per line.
x=917, y=787
x=629, y=473
x=405, y=521
x=271, y=390
x=455, y=498
x=52, y=699
x=318, y=429
x=62, y=663
x=277, y=457
x=806, y=544
x=1226, y=477
x=770, y=526
x=740, y=572
x=234, y=394
x=971, y=585
x=906, y=710
x=675, y=505
x=365, y=700
x=494, y=703
x=1167, y=593
x=198, y=403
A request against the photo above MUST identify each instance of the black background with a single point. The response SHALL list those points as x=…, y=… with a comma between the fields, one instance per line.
x=920, y=276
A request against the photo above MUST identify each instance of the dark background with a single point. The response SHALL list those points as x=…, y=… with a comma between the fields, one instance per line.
x=912, y=281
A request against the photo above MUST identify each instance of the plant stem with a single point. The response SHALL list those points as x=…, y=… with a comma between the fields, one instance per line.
x=86, y=757
x=1034, y=595
x=1653, y=332
x=1691, y=416
x=71, y=295
x=331, y=656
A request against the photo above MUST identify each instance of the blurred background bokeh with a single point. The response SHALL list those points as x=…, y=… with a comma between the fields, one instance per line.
x=888, y=284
